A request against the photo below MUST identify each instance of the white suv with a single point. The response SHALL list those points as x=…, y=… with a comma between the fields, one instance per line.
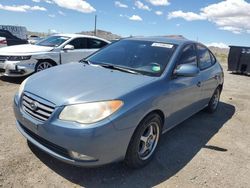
x=21, y=60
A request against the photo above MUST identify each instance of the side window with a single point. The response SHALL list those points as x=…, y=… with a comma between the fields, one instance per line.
x=95, y=43
x=204, y=55
x=212, y=58
x=188, y=55
x=79, y=43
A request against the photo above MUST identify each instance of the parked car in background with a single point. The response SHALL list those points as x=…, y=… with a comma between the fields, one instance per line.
x=116, y=103
x=57, y=49
x=33, y=39
x=10, y=39
x=3, y=42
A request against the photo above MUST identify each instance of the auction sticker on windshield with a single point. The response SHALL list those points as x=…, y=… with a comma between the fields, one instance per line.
x=162, y=45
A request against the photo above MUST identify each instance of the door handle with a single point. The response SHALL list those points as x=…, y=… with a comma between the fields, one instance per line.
x=216, y=77
x=199, y=84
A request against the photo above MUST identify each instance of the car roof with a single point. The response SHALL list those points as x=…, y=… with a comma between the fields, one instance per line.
x=78, y=35
x=171, y=40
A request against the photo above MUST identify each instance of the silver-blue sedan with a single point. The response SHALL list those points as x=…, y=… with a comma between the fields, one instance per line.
x=115, y=104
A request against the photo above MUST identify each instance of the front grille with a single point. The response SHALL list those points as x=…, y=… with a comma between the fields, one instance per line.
x=36, y=109
x=53, y=147
x=3, y=57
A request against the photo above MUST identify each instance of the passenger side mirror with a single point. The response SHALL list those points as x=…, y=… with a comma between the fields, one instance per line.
x=68, y=47
x=186, y=70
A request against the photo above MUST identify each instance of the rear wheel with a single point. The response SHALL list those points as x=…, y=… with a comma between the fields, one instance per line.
x=144, y=141
x=214, y=101
x=43, y=65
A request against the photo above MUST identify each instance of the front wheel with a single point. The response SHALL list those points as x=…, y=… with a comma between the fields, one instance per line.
x=214, y=101
x=43, y=65
x=144, y=141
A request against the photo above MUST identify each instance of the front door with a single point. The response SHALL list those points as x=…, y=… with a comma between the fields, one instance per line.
x=183, y=93
x=79, y=52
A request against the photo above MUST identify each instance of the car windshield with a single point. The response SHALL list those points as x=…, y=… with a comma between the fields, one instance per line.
x=52, y=41
x=144, y=57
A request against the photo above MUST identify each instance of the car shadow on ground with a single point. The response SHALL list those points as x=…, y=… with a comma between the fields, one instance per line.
x=13, y=80
x=176, y=148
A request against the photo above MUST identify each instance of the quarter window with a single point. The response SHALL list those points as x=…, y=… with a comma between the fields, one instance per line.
x=205, y=60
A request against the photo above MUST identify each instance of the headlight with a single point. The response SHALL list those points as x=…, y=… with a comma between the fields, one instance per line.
x=90, y=112
x=21, y=88
x=19, y=58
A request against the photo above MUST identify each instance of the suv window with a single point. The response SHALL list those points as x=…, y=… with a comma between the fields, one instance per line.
x=188, y=55
x=204, y=55
x=95, y=43
x=79, y=43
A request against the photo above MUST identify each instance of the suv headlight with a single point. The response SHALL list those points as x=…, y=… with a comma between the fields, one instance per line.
x=19, y=58
x=90, y=112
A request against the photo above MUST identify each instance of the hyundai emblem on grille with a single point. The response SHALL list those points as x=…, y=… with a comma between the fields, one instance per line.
x=34, y=105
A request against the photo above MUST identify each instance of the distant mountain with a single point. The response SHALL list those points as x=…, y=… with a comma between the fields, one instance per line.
x=102, y=34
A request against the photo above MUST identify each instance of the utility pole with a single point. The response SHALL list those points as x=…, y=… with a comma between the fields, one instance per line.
x=95, y=24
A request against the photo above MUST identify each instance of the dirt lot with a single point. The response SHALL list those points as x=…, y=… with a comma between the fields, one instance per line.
x=204, y=151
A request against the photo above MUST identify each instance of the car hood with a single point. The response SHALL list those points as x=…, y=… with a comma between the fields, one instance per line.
x=24, y=49
x=78, y=83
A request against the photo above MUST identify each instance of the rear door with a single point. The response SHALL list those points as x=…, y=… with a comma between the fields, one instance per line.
x=184, y=93
x=209, y=75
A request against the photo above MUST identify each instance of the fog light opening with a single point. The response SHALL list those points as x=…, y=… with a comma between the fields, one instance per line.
x=82, y=157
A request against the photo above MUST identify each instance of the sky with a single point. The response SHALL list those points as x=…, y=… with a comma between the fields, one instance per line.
x=212, y=22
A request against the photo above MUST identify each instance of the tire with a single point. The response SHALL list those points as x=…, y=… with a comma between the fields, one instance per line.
x=42, y=65
x=214, y=101
x=144, y=141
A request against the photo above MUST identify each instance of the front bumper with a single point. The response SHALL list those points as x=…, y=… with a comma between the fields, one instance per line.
x=104, y=143
x=17, y=68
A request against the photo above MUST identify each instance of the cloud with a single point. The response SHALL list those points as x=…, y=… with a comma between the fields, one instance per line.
x=47, y=1
x=121, y=5
x=229, y=15
x=22, y=8
x=135, y=18
x=61, y=13
x=78, y=5
x=53, y=31
x=158, y=13
x=52, y=15
x=140, y=5
x=218, y=45
x=189, y=16
x=159, y=2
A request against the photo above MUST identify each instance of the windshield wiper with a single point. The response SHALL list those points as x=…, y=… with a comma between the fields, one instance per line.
x=114, y=67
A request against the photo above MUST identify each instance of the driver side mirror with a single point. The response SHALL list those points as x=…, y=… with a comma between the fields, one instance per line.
x=68, y=47
x=186, y=70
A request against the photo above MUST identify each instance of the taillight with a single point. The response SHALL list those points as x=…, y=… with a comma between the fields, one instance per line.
x=3, y=41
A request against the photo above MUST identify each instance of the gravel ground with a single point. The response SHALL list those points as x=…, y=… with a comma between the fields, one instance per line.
x=204, y=151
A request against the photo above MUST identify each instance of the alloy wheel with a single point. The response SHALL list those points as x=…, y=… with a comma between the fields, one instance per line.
x=148, y=141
